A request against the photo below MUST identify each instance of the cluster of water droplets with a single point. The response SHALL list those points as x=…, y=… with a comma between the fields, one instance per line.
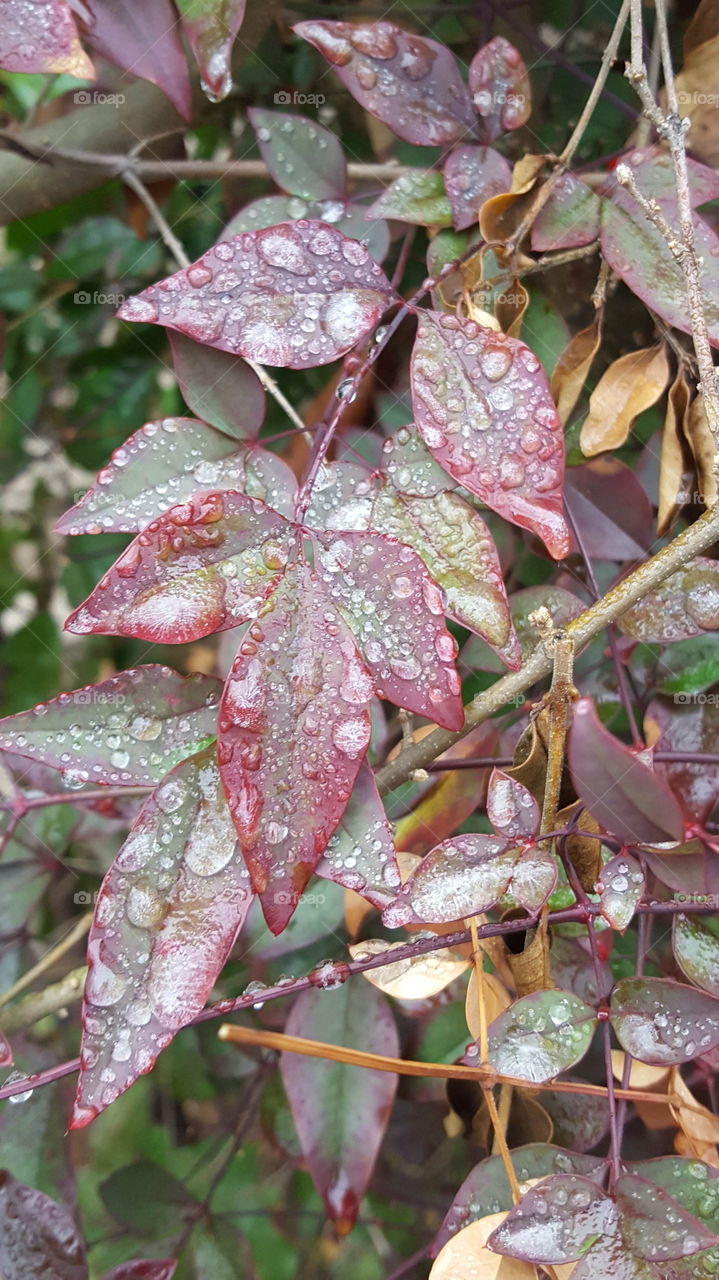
x=541, y=1035
x=500, y=87
x=459, y=877
x=471, y=176
x=620, y=888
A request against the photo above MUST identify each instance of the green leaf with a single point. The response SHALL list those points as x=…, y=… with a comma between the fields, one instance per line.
x=418, y=197
x=691, y=665
x=147, y=1200
x=541, y=1035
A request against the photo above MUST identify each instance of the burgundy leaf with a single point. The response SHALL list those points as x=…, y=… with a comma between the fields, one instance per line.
x=511, y=809
x=397, y=615
x=41, y=36
x=557, y=1221
x=126, y=731
x=220, y=388
x=695, y=943
x=211, y=28
x=6, y=1058
x=569, y=219
x=620, y=888
x=346, y=215
x=471, y=176
x=610, y=509
x=143, y=40
x=294, y=726
x=299, y=294
x=691, y=726
x=655, y=167
x=646, y=1209
x=203, y=566
x=461, y=877
x=499, y=85
x=166, y=917
x=341, y=1112
x=409, y=82
x=541, y=1035
x=38, y=1238
x=361, y=854
x=410, y=467
x=484, y=409
x=304, y=158
x=685, y=605
x=161, y=1269
x=626, y=797
x=660, y=1021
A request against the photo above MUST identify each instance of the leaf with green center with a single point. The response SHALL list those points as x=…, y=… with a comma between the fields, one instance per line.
x=341, y=1112
x=562, y=605
x=694, y=1184
x=471, y=176
x=655, y=1226
x=461, y=877
x=511, y=808
x=342, y=497
x=165, y=920
x=663, y=1022
x=695, y=942
x=484, y=409
x=627, y=799
x=295, y=713
x=416, y=197
x=691, y=666
x=348, y=216
x=569, y=219
x=211, y=27
x=220, y=388
x=685, y=605
x=500, y=88
x=37, y=1236
x=42, y=38
x=410, y=467
x=687, y=727
x=128, y=730
x=201, y=567
x=541, y=1035
x=459, y=552
x=304, y=158
x=620, y=888
x=297, y=295
x=557, y=1221
x=396, y=613
x=361, y=854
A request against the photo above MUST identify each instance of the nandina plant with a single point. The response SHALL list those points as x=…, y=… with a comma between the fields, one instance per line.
x=405, y=655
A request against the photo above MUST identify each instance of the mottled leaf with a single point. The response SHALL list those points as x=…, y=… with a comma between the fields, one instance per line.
x=562, y=605
x=626, y=797
x=484, y=409
x=304, y=158
x=38, y=1238
x=511, y=809
x=220, y=388
x=147, y=1269
x=417, y=977
x=620, y=889
x=610, y=509
x=411, y=83
x=541, y=1035
x=128, y=730
x=630, y=385
x=360, y=854
x=346, y=215
x=471, y=176
x=686, y=604
x=295, y=712
x=570, y=217
x=144, y=41
x=418, y=197
x=692, y=1183
x=299, y=294
x=557, y=1221
x=341, y=1112
x=687, y=726
x=696, y=950
x=410, y=467
x=201, y=567
x=499, y=85
x=661, y=1021
x=211, y=27
x=165, y=919
x=396, y=613
x=461, y=877
x=41, y=36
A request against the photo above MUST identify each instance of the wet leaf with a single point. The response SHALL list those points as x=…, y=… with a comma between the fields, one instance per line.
x=126, y=731
x=211, y=27
x=630, y=385
x=693, y=1184
x=360, y=854
x=695, y=941
x=686, y=604
x=572, y=370
x=160, y=1269
x=410, y=467
x=468, y=384
x=687, y=727
x=569, y=219
x=346, y=215
x=663, y=1022
x=610, y=509
x=295, y=711
x=342, y=497
x=461, y=877
x=534, y=878
x=620, y=889
x=561, y=604
x=500, y=89
x=396, y=613
x=203, y=566
x=691, y=666
x=37, y=1236
x=466, y=1257
x=165, y=920
x=416, y=197
x=624, y=795
x=42, y=38
x=557, y=1221
x=645, y=1211
x=471, y=176
x=416, y=977
x=541, y=1035
x=341, y=1112
x=511, y=809
x=580, y=1121
x=299, y=294
x=145, y=42
x=410, y=83
x=303, y=157
x=220, y=388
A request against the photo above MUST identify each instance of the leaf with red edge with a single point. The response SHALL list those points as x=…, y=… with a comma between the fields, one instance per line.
x=534, y=878
x=417, y=197
x=557, y=1221
x=126, y=731
x=569, y=219
x=611, y=510
x=562, y=605
x=304, y=158
x=294, y=714
x=396, y=613
x=625, y=796
x=484, y=409
x=299, y=295
x=143, y=40
x=685, y=605
x=41, y=36
x=471, y=176
x=203, y=566
x=38, y=1238
x=687, y=727
x=165, y=920
x=695, y=943
x=461, y=877
x=144, y=1269
x=663, y=1022
x=220, y=388
x=511, y=808
x=211, y=27
x=541, y=1035
x=620, y=889
x=6, y=1058
x=347, y=216
x=499, y=84
x=360, y=854
x=645, y=1210
x=341, y=1112
x=409, y=82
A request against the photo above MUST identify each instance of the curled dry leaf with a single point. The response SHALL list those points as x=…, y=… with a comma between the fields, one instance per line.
x=697, y=88
x=703, y=448
x=572, y=368
x=414, y=977
x=699, y=1125
x=496, y=1000
x=630, y=385
x=674, y=467
x=465, y=1256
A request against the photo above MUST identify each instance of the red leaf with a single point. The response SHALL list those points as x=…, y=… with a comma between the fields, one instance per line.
x=126, y=731
x=304, y=158
x=570, y=218
x=688, y=727
x=396, y=613
x=499, y=85
x=484, y=409
x=38, y=1238
x=663, y=1022
x=511, y=808
x=161, y=1269
x=42, y=37
x=610, y=509
x=411, y=83
x=220, y=388
x=361, y=854
x=165, y=920
x=201, y=567
x=341, y=1112
x=144, y=41
x=471, y=176
x=211, y=29
x=620, y=887
x=626, y=798
x=294, y=726
x=299, y=294
x=6, y=1057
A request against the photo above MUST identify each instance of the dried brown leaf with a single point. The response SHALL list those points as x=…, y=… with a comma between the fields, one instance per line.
x=628, y=387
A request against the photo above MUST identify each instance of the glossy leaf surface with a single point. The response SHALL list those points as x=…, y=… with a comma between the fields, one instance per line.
x=471, y=176
x=541, y=1035
x=37, y=1236
x=661, y=1021
x=304, y=158
x=219, y=388
x=685, y=605
x=211, y=27
x=499, y=85
x=360, y=854
x=696, y=949
x=144, y=42
x=461, y=877
x=348, y=216
x=41, y=36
